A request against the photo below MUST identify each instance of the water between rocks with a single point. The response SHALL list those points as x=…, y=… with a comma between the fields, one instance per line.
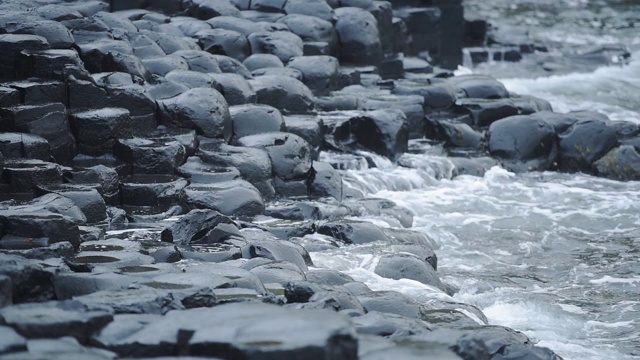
x=556, y=256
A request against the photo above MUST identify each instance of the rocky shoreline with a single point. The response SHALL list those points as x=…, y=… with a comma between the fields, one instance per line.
x=163, y=178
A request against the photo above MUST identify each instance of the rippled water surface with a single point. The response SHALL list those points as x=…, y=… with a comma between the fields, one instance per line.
x=553, y=255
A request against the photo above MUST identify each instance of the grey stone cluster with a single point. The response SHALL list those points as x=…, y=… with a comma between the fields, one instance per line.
x=192, y=129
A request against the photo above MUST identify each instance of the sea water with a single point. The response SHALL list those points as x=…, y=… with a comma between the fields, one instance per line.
x=556, y=256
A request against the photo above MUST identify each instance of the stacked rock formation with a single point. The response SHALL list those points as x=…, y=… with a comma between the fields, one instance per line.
x=201, y=123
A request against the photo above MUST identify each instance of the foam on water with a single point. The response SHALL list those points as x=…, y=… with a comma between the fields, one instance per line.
x=611, y=90
x=553, y=255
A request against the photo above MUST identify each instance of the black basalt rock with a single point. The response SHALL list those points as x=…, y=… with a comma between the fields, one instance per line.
x=523, y=143
x=290, y=155
x=283, y=44
x=359, y=38
x=584, y=143
x=384, y=132
x=251, y=119
x=201, y=109
x=254, y=164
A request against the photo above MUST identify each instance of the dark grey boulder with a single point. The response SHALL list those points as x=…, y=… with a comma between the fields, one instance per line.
x=308, y=210
x=583, y=143
x=204, y=110
x=235, y=88
x=23, y=175
x=59, y=349
x=199, y=60
x=408, y=266
x=70, y=284
x=198, y=171
x=286, y=94
x=319, y=73
x=230, y=65
x=234, y=197
x=104, y=179
x=30, y=280
x=11, y=45
x=147, y=156
x=486, y=111
x=307, y=295
x=495, y=342
x=193, y=227
x=308, y=127
x=171, y=43
x=48, y=121
x=138, y=101
x=290, y=154
x=478, y=86
x=251, y=119
x=224, y=42
x=33, y=92
x=262, y=17
x=207, y=9
x=241, y=278
x=353, y=232
x=285, y=45
x=144, y=47
x=359, y=38
x=267, y=5
x=523, y=143
x=56, y=34
x=243, y=26
x=187, y=137
x=192, y=79
x=254, y=164
x=278, y=71
x=332, y=336
x=152, y=190
x=263, y=244
x=384, y=132
x=94, y=52
x=311, y=28
x=140, y=301
x=437, y=96
x=620, y=163
x=115, y=22
x=96, y=130
x=411, y=105
x=328, y=277
x=338, y=102
x=9, y=97
x=454, y=134
x=60, y=318
x=45, y=64
x=162, y=65
x=261, y=61
x=390, y=302
x=389, y=325
x=84, y=197
x=160, y=88
x=130, y=64
x=19, y=145
x=315, y=8
x=277, y=272
x=106, y=79
x=625, y=129
x=189, y=26
x=326, y=181
x=409, y=349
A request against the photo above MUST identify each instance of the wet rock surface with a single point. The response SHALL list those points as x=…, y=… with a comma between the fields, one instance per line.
x=163, y=186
